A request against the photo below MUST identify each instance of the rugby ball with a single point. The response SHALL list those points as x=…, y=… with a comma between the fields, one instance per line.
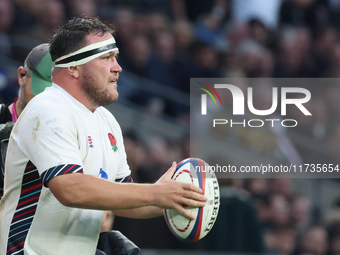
x=197, y=172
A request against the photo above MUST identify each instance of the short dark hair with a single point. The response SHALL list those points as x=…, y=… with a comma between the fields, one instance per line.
x=72, y=36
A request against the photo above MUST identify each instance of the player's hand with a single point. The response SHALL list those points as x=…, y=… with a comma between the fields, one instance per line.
x=172, y=194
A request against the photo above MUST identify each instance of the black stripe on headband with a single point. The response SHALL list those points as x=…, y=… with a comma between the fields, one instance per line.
x=87, y=54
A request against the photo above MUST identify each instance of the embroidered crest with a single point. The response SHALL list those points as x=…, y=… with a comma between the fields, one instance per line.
x=113, y=142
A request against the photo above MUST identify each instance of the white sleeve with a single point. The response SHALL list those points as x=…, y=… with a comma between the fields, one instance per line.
x=48, y=137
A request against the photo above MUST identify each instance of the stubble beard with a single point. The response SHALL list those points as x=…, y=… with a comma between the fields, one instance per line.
x=93, y=94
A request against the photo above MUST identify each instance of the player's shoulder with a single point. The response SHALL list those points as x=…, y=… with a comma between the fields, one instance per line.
x=45, y=103
x=45, y=107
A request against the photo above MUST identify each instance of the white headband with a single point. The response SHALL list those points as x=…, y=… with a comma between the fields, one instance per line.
x=87, y=53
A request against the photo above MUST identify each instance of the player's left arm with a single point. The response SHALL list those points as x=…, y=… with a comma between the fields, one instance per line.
x=145, y=212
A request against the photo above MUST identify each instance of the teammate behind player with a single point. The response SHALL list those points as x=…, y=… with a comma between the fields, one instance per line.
x=33, y=78
x=66, y=151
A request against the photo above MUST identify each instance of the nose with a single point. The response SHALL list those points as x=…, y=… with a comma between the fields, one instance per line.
x=116, y=67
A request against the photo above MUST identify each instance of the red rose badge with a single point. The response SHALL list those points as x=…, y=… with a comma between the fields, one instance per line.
x=113, y=142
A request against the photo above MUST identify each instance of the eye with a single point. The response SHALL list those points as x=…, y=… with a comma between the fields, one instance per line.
x=106, y=56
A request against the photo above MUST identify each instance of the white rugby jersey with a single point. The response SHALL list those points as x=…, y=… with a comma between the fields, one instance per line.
x=56, y=135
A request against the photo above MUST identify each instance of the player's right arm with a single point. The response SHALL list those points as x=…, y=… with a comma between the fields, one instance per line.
x=86, y=191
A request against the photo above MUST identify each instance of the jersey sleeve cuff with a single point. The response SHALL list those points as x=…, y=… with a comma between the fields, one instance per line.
x=125, y=179
x=59, y=170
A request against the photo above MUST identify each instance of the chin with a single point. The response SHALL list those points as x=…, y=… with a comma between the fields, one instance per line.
x=116, y=96
x=113, y=99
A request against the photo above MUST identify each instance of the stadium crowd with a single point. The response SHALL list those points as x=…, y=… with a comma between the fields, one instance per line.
x=171, y=41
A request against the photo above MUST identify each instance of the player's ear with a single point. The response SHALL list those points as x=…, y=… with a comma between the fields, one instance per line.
x=73, y=71
x=21, y=75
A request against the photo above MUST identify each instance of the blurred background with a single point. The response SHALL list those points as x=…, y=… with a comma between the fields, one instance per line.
x=164, y=43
